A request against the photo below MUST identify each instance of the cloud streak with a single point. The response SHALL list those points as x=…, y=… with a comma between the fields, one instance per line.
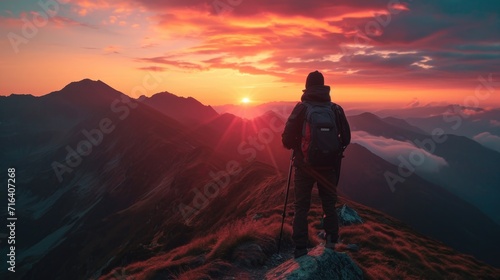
x=488, y=140
x=391, y=149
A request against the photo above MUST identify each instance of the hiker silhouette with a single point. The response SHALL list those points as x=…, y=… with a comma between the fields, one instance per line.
x=318, y=132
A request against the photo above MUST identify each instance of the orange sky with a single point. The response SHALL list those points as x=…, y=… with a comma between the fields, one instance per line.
x=369, y=51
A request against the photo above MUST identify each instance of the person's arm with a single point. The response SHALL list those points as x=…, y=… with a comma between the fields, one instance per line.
x=345, y=130
x=292, y=134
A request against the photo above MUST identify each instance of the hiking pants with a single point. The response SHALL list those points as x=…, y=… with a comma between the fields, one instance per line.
x=326, y=180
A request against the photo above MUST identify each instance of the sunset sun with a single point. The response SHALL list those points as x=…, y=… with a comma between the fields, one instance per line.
x=245, y=100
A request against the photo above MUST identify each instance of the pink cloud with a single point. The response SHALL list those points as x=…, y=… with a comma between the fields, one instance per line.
x=153, y=68
x=355, y=42
x=61, y=21
x=174, y=63
x=495, y=123
x=112, y=49
x=300, y=37
x=10, y=22
x=117, y=6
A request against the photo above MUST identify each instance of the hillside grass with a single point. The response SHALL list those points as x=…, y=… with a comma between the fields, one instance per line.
x=388, y=249
x=208, y=257
x=391, y=250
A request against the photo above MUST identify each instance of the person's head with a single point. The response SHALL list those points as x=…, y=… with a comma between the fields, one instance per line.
x=315, y=79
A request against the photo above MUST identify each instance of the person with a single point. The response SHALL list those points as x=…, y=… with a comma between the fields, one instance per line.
x=306, y=175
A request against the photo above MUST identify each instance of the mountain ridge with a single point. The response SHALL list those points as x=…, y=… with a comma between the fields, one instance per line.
x=121, y=205
x=180, y=108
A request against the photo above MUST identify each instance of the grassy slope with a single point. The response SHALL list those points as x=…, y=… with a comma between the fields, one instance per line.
x=388, y=249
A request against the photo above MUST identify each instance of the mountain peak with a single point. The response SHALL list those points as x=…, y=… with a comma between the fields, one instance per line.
x=165, y=93
x=87, y=85
x=370, y=116
x=87, y=90
x=167, y=96
x=186, y=110
x=20, y=95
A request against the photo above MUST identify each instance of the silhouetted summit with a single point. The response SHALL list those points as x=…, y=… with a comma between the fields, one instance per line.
x=88, y=86
x=87, y=91
x=368, y=116
x=185, y=110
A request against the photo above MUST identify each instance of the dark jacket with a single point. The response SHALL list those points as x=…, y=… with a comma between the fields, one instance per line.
x=292, y=135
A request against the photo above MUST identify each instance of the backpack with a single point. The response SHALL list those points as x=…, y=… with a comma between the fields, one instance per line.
x=321, y=144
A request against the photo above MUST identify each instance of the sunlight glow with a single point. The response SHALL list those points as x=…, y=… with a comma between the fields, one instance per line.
x=245, y=100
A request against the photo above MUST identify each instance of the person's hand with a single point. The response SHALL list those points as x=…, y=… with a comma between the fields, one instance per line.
x=298, y=159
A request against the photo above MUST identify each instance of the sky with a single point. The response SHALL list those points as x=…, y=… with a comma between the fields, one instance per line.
x=222, y=51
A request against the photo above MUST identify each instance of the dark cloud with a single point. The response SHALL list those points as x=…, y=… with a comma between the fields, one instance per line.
x=435, y=41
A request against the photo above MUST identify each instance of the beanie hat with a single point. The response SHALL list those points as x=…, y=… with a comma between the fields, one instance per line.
x=315, y=79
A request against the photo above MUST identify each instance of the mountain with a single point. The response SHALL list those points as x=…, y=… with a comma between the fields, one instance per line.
x=284, y=108
x=453, y=119
x=463, y=122
x=31, y=124
x=145, y=166
x=249, y=140
x=124, y=191
x=187, y=111
x=389, y=127
x=428, y=208
x=87, y=91
x=426, y=111
x=229, y=132
x=444, y=159
x=70, y=187
x=260, y=139
x=57, y=110
x=402, y=124
x=388, y=249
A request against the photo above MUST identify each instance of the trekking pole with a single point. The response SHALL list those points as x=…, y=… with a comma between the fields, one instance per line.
x=286, y=199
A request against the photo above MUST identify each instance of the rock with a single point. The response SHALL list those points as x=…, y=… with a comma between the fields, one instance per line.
x=347, y=216
x=320, y=263
x=249, y=254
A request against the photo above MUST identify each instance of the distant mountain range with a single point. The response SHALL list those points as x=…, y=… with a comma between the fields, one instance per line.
x=109, y=181
x=470, y=170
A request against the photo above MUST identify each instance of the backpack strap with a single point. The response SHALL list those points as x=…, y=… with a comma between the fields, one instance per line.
x=336, y=110
x=293, y=127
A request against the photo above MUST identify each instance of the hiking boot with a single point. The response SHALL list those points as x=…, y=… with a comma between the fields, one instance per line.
x=330, y=243
x=299, y=253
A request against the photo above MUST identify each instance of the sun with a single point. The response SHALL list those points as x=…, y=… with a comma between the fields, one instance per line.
x=245, y=100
